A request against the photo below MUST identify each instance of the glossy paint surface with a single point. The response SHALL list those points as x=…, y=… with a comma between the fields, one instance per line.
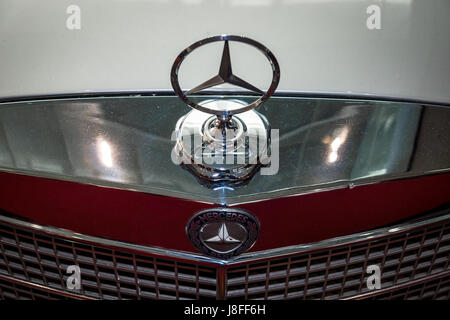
x=160, y=221
x=322, y=46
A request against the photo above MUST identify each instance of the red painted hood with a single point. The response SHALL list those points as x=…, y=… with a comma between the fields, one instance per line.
x=160, y=220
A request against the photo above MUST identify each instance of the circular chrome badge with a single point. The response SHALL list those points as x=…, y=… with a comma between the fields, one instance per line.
x=223, y=232
x=225, y=75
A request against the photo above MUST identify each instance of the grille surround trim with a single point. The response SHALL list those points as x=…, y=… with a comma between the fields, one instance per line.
x=245, y=257
x=418, y=246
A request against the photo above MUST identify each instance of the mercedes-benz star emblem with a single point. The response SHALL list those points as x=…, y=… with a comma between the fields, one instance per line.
x=223, y=232
x=223, y=236
x=225, y=75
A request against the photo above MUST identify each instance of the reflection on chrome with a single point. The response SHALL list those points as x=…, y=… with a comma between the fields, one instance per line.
x=104, y=153
x=336, y=144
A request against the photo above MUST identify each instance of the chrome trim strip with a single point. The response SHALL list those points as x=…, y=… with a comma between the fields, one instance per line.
x=338, y=241
x=170, y=92
x=244, y=258
x=343, y=184
x=44, y=288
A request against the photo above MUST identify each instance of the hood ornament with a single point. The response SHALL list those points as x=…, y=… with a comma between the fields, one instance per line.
x=223, y=141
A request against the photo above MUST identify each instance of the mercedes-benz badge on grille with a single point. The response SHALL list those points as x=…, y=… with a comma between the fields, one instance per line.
x=223, y=232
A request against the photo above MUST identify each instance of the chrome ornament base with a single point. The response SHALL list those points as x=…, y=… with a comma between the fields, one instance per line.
x=222, y=150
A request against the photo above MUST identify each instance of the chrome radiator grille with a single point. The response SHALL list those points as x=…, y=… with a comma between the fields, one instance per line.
x=106, y=273
x=341, y=272
x=414, y=264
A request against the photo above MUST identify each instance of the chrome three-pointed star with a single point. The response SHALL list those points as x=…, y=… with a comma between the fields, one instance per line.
x=223, y=236
x=225, y=75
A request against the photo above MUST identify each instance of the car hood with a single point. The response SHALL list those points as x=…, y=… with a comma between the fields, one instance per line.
x=322, y=46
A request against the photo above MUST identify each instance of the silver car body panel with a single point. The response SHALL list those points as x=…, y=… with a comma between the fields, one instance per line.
x=322, y=46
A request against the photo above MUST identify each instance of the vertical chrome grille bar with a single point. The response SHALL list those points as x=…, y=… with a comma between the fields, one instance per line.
x=305, y=291
x=19, y=250
x=419, y=252
x=197, y=283
x=327, y=269
x=286, y=284
x=364, y=268
x=155, y=272
x=267, y=279
x=58, y=265
x=97, y=276
x=116, y=276
x=38, y=255
x=177, y=291
x=436, y=249
x=221, y=283
x=136, y=280
x=246, y=282
x=344, y=278
x=405, y=242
